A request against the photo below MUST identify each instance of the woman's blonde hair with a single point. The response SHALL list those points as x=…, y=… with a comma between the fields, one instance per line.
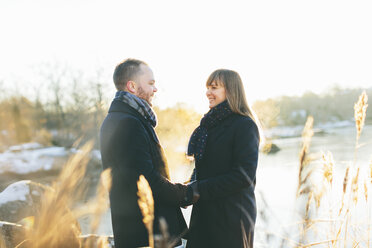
x=235, y=93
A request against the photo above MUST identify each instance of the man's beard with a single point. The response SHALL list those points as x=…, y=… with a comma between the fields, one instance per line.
x=144, y=96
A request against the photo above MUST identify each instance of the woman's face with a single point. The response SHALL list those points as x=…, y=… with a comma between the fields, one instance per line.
x=216, y=94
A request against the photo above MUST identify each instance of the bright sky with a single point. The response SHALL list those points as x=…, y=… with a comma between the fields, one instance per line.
x=278, y=47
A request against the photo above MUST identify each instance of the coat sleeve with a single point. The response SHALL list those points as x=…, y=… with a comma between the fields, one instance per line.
x=243, y=172
x=137, y=160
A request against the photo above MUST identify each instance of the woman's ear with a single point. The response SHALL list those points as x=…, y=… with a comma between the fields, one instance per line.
x=131, y=87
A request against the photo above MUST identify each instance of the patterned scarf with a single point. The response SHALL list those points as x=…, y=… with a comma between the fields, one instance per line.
x=138, y=104
x=211, y=119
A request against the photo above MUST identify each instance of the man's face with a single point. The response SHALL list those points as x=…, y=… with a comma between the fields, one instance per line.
x=146, y=84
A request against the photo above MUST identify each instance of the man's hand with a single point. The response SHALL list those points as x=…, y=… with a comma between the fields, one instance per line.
x=192, y=194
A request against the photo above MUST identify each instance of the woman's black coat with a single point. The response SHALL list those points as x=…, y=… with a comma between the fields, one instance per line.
x=225, y=214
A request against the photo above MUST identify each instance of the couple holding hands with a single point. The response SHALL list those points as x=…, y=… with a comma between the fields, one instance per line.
x=225, y=148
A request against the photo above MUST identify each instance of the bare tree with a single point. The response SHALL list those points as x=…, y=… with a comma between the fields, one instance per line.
x=98, y=102
x=54, y=75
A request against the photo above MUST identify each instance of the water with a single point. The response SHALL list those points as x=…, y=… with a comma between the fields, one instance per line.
x=277, y=178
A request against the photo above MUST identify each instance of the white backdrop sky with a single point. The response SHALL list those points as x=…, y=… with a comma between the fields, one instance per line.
x=278, y=47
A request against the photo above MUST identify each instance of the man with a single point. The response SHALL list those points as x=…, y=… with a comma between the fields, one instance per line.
x=130, y=147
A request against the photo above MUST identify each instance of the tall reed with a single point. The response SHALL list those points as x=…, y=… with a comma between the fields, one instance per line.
x=55, y=224
x=146, y=205
x=360, y=112
x=341, y=228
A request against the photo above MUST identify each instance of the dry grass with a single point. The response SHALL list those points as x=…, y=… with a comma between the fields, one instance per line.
x=55, y=224
x=304, y=161
x=2, y=241
x=344, y=228
x=355, y=187
x=146, y=204
x=360, y=110
x=328, y=164
x=344, y=187
x=330, y=206
x=304, y=187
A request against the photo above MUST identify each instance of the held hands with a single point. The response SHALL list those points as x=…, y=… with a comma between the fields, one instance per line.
x=192, y=194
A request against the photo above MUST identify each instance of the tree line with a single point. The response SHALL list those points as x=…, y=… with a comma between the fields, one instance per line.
x=64, y=106
x=332, y=106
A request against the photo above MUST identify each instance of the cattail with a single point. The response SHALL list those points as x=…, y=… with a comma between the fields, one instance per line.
x=360, y=109
x=354, y=187
x=146, y=205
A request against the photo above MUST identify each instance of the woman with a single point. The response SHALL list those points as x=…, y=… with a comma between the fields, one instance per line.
x=225, y=148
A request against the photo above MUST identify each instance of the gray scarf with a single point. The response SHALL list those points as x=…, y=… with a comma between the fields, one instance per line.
x=138, y=104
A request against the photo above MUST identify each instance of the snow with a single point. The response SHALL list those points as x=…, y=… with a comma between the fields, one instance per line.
x=35, y=192
x=339, y=124
x=26, y=146
x=296, y=131
x=8, y=223
x=96, y=154
x=26, y=158
x=284, y=131
x=15, y=192
x=32, y=157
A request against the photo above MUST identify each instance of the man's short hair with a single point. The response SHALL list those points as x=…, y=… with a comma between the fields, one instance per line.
x=125, y=71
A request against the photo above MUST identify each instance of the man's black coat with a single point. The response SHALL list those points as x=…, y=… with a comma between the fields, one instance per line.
x=225, y=214
x=130, y=147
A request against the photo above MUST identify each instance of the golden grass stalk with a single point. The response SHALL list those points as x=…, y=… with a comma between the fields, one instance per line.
x=101, y=200
x=55, y=224
x=365, y=191
x=346, y=179
x=304, y=174
x=2, y=241
x=370, y=171
x=360, y=109
x=98, y=206
x=307, y=133
x=309, y=199
x=146, y=205
x=344, y=187
x=102, y=242
x=328, y=164
x=354, y=187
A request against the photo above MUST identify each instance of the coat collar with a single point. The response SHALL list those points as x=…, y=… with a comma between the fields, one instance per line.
x=119, y=106
x=228, y=121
